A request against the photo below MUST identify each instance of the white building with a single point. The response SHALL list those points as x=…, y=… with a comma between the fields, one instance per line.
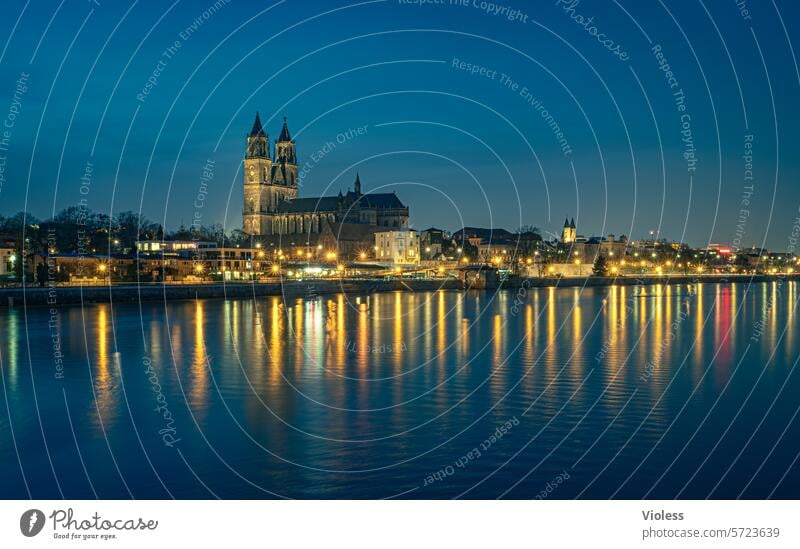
x=397, y=247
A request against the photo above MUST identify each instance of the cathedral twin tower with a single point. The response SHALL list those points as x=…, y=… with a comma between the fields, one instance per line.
x=268, y=182
x=272, y=207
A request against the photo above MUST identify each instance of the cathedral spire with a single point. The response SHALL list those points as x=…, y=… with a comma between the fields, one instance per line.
x=284, y=136
x=258, y=129
x=357, y=186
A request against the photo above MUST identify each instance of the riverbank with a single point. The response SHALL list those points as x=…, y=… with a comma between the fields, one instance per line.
x=68, y=295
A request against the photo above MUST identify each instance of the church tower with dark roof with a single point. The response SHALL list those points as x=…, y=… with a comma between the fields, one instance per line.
x=569, y=233
x=257, y=169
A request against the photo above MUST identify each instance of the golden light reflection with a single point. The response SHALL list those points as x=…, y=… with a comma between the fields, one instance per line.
x=428, y=334
x=276, y=343
x=552, y=347
x=441, y=333
x=103, y=378
x=577, y=328
x=528, y=336
x=199, y=386
x=499, y=370
x=398, y=328
x=362, y=334
x=341, y=330
x=661, y=344
x=698, y=329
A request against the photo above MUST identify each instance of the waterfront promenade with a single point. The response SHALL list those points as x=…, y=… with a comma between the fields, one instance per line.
x=310, y=288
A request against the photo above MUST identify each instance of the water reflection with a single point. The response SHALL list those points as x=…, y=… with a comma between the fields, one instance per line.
x=105, y=380
x=401, y=372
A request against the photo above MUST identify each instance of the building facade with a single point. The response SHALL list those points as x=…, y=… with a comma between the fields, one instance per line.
x=273, y=208
x=397, y=247
x=7, y=258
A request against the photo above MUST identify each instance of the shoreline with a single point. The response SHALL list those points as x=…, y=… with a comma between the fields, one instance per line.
x=69, y=295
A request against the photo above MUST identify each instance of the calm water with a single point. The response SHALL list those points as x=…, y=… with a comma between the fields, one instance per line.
x=683, y=391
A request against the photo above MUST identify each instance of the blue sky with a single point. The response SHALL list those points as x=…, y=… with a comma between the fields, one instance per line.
x=459, y=148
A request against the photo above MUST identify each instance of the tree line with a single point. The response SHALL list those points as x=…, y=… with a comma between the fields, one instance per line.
x=80, y=230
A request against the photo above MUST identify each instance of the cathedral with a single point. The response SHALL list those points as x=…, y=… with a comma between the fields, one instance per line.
x=272, y=207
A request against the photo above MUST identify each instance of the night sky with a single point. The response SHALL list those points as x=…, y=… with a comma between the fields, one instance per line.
x=637, y=151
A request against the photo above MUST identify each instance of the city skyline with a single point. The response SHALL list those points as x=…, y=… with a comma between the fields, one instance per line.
x=501, y=155
x=426, y=250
